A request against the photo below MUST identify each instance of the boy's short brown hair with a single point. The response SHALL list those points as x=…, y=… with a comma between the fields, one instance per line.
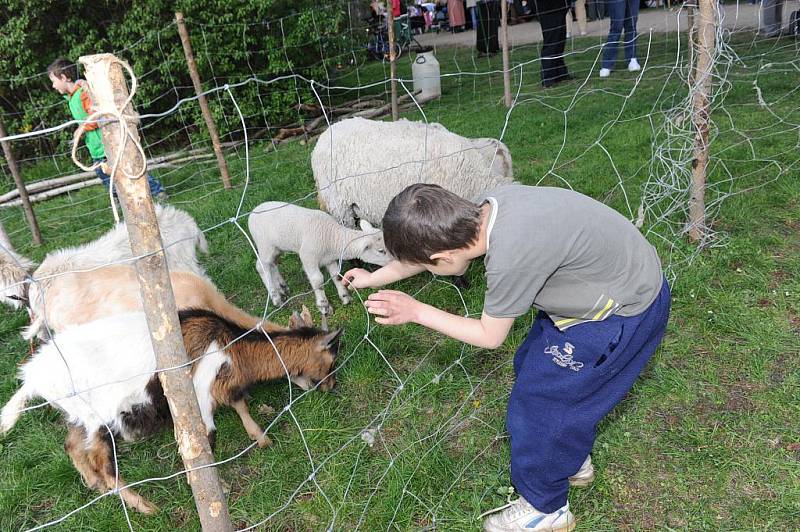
x=426, y=219
x=63, y=67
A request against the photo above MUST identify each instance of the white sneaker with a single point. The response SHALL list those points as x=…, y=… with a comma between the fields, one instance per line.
x=520, y=516
x=605, y=72
x=585, y=474
x=633, y=65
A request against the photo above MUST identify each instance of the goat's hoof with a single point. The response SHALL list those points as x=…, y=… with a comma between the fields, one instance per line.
x=263, y=441
x=325, y=309
x=346, y=299
x=147, y=508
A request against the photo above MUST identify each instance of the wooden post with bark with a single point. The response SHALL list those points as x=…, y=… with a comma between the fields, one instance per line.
x=701, y=111
x=201, y=98
x=23, y=192
x=392, y=60
x=104, y=73
x=504, y=44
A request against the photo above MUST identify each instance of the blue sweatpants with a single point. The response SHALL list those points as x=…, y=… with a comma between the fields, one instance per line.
x=624, y=15
x=566, y=383
x=155, y=186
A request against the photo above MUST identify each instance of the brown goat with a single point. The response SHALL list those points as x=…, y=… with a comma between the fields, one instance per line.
x=303, y=353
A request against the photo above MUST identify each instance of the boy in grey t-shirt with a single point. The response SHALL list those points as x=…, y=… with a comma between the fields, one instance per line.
x=603, y=308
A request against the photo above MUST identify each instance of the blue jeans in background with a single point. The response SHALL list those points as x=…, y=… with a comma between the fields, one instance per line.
x=624, y=14
x=155, y=187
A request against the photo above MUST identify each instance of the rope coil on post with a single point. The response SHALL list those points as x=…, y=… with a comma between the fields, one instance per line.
x=117, y=115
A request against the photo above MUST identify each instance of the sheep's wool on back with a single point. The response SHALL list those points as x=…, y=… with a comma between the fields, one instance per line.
x=360, y=165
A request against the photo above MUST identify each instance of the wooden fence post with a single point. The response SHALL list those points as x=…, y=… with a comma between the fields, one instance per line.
x=504, y=44
x=23, y=192
x=201, y=98
x=392, y=60
x=701, y=107
x=107, y=83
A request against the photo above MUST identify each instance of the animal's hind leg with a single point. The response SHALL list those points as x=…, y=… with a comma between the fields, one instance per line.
x=253, y=429
x=101, y=458
x=267, y=268
x=315, y=278
x=75, y=446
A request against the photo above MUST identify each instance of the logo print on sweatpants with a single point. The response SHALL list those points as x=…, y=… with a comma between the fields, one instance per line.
x=564, y=359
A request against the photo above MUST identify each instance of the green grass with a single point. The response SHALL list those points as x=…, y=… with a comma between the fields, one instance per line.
x=707, y=439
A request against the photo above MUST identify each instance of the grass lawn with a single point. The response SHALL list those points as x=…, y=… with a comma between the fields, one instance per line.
x=708, y=438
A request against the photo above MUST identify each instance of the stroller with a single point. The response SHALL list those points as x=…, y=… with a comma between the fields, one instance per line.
x=378, y=40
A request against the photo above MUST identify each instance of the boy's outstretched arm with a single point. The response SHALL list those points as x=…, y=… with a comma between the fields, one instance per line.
x=395, y=308
x=394, y=271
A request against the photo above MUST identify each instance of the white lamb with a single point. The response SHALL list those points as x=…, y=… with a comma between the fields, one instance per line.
x=318, y=239
x=179, y=234
x=14, y=270
x=360, y=165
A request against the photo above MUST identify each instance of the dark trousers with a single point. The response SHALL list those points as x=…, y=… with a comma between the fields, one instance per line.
x=552, y=17
x=567, y=381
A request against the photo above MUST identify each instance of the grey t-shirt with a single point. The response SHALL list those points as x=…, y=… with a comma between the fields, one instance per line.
x=565, y=254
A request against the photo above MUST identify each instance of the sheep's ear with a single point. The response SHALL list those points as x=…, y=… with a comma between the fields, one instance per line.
x=365, y=225
x=331, y=340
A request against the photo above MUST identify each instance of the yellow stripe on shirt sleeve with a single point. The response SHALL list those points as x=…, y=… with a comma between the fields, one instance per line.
x=605, y=309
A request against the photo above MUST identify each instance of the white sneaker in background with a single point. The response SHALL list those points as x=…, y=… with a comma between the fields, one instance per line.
x=520, y=516
x=605, y=72
x=633, y=65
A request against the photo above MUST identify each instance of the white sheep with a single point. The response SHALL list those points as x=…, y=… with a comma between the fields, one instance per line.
x=360, y=165
x=14, y=270
x=179, y=234
x=318, y=239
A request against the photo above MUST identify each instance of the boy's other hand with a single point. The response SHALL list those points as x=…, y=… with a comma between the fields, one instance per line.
x=392, y=307
x=357, y=278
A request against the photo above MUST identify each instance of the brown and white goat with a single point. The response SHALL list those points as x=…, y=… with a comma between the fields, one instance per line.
x=80, y=297
x=103, y=376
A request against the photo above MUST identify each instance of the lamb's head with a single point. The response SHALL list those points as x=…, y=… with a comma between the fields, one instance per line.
x=321, y=361
x=370, y=245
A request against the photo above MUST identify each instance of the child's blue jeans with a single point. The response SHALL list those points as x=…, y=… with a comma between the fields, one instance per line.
x=566, y=383
x=155, y=186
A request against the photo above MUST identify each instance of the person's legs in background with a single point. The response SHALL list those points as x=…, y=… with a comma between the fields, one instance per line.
x=552, y=17
x=616, y=11
x=568, y=22
x=580, y=14
x=156, y=189
x=631, y=18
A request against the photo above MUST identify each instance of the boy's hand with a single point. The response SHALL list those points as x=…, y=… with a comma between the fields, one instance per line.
x=357, y=278
x=395, y=308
